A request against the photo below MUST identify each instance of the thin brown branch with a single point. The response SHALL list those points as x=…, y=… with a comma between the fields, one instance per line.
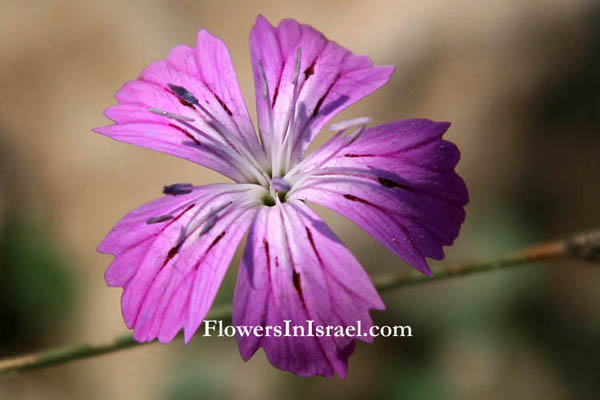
x=584, y=246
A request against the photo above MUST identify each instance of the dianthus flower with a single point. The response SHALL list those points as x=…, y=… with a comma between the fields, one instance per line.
x=396, y=181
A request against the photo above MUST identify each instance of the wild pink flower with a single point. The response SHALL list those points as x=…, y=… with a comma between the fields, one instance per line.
x=396, y=181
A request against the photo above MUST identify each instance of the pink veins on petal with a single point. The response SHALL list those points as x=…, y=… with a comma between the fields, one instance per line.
x=396, y=181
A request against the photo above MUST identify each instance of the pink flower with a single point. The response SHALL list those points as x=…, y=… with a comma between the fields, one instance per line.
x=396, y=181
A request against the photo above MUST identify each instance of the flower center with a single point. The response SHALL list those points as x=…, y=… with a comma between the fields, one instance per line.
x=278, y=189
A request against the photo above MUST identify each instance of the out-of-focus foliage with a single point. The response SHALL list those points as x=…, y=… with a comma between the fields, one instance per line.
x=36, y=290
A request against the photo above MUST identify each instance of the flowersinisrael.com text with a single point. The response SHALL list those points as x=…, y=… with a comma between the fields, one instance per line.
x=217, y=328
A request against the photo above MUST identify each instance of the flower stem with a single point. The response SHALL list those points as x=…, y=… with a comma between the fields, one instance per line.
x=585, y=246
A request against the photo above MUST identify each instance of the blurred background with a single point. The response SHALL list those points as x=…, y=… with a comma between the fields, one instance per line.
x=520, y=81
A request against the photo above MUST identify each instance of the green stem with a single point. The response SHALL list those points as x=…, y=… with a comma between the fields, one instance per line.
x=584, y=246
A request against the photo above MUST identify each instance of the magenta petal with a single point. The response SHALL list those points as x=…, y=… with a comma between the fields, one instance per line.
x=171, y=140
x=295, y=268
x=396, y=181
x=171, y=256
x=331, y=78
x=216, y=108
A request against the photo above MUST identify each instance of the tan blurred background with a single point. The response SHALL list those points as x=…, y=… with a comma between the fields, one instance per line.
x=520, y=82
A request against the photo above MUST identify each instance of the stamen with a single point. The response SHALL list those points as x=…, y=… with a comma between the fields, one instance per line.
x=170, y=115
x=298, y=61
x=278, y=199
x=246, y=160
x=162, y=218
x=352, y=136
x=263, y=81
x=265, y=93
x=343, y=125
x=178, y=188
x=183, y=94
x=288, y=139
x=299, y=177
x=243, y=162
x=210, y=222
x=207, y=221
x=347, y=140
x=227, y=137
x=188, y=99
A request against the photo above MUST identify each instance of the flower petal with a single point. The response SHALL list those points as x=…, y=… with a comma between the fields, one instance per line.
x=396, y=181
x=205, y=119
x=176, y=141
x=171, y=256
x=330, y=79
x=294, y=268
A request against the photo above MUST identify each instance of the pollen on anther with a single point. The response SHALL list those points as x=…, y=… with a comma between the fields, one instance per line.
x=156, y=220
x=183, y=94
x=178, y=189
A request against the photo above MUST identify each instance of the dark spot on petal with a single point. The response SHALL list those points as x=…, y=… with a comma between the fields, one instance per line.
x=358, y=155
x=223, y=105
x=363, y=201
x=388, y=183
x=172, y=220
x=267, y=254
x=319, y=104
x=322, y=99
x=312, y=244
x=171, y=254
x=310, y=70
x=215, y=241
x=275, y=94
x=185, y=103
x=186, y=133
x=156, y=220
x=185, y=97
x=186, y=210
x=298, y=287
x=276, y=262
x=358, y=199
x=178, y=188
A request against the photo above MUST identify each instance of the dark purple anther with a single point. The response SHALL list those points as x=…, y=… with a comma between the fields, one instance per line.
x=178, y=188
x=183, y=94
x=156, y=220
